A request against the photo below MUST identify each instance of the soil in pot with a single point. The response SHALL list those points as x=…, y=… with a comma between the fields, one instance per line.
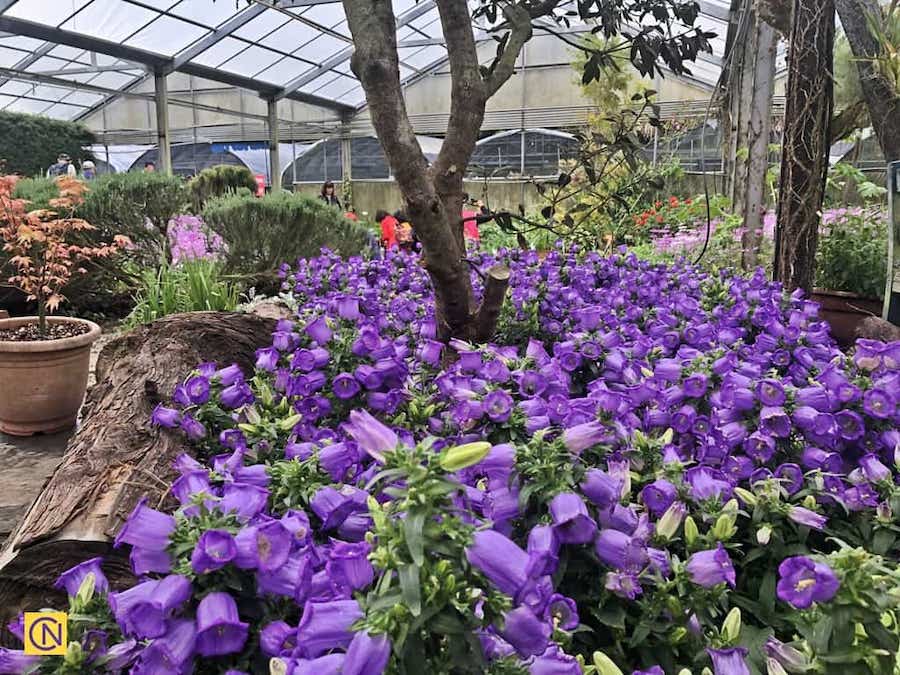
x=55, y=331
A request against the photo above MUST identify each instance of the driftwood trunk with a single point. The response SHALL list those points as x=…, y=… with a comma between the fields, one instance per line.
x=116, y=456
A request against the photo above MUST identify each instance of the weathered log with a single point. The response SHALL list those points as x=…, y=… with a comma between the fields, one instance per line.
x=116, y=457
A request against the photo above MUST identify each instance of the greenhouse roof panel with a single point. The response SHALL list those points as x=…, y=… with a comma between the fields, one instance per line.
x=297, y=49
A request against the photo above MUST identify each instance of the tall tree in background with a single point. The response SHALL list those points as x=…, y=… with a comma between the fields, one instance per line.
x=649, y=30
x=749, y=82
x=806, y=143
x=878, y=63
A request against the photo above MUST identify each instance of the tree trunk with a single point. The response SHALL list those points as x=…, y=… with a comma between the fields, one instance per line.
x=433, y=195
x=804, y=160
x=116, y=456
x=748, y=120
x=880, y=94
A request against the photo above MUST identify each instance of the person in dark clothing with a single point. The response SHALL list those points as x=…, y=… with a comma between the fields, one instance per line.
x=327, y=195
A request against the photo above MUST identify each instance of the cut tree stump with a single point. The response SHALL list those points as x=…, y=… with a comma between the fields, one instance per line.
x=116, y=456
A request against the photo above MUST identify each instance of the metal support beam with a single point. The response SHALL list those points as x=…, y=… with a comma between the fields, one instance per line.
x=344, y=55
x=6, y=4
x=222, y=31
x=274, y=158
x=162, y=122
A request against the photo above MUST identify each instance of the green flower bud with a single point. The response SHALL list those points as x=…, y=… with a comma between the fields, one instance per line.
x=684, y=671
x=463, y=456
x=86, y=589
x=289, y=423
x=691, y=533
x=667, y=526
x=810, y=502
x=746, y=496
x=724, y=528
x=248, y=428
x=774, y=668
x=605, y=665
x=731, y=627
x=678, y=635
x=252, y=415
x=277, y=667
x=74, y=655
x=763, y=535
x=667, y=437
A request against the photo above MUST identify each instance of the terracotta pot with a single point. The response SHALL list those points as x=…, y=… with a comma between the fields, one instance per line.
x=42, y=383
x=844, y=312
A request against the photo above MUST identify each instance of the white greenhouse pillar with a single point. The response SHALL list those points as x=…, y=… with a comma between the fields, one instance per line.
x=274, y=158
x=161, y=101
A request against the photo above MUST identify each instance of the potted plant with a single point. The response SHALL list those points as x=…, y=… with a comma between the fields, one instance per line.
x=44, y=361
x=851, y=268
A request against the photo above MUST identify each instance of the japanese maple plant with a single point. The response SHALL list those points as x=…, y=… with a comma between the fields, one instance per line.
x=40, y=243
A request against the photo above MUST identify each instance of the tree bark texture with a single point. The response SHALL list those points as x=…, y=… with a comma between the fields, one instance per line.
x=881, y=96
x=433, y=195
x=748, y=120
x=805, y=148
x=116, y=457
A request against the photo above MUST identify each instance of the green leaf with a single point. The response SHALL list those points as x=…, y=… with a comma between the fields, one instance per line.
x=411, y=588
x=821, y=634
x=415, y=542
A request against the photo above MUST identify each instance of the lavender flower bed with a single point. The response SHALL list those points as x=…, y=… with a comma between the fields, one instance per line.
x=654, y=471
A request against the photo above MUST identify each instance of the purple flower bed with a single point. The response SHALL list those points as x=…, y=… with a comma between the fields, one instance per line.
x=653, y=470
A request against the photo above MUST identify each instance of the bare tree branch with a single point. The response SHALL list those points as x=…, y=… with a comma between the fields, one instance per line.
x=519, y=19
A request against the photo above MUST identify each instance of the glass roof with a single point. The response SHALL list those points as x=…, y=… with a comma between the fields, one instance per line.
x=297, y=49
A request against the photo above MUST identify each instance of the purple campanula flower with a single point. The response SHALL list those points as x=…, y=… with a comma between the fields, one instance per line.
x=143, y=610
x=236, y=395
x=554, y=661
x=277, y=637
x=146, y=528
x=572, y=522
x=621, y=551
x=498, y=405
x=695, y=385
x=349, y=564
x=624, y=584
x=72, y=579
x=707, y=483
x=214, y=550
x=229, y=375
x=326, y=625
x=791, y=478
x=197, y=389
x=659, y=496
x=788, y=657
x=879, y=403
x=192, y=428
x=219, y=628
x=543, y=551
x=332, y=506
x=561, y=612
x=348, y=308
x=367, y=655
x=373, y=436
x=267, y=359
x=170, y=653
x=601, y=488
x=583, y=436
x=243, y=499
x=803, y=516
x=319, y=331
x=802, y=582
x=17, y=661
x=500, y=559
x=873, y=469
x=344, y=386
x=527, y=633
x=144, y=561
x=731, y=661
x=338, y=458
x=430, y=352
x=850, y=425
x=775, y=421
x=816, y=397
x=770, y=393
x=165, y=417
x=710, y=568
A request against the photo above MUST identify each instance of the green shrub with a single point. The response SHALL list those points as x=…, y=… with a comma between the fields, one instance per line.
x=192, y=286
x=29, y=144
x=38, y=191
x=219, y=180
x=852, y=251
x=262, y=233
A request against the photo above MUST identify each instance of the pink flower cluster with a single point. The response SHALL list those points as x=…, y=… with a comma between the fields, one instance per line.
x=191, y=239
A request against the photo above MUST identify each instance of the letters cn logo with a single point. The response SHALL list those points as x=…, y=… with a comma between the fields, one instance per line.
x=46, y=633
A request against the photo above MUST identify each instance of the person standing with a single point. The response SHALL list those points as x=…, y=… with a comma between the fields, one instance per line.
x=63, y=167
x=88, y=170
x=388, y=225
x=149, y=167
x=327, y=195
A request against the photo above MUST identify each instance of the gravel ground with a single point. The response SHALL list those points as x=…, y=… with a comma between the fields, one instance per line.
x=28, y=462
